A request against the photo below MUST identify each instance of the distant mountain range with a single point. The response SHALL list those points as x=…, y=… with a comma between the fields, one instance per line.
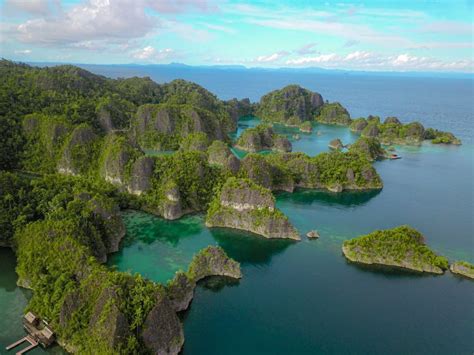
x=183, y=66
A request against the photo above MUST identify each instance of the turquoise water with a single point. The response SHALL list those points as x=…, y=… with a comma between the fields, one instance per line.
x=303, y=297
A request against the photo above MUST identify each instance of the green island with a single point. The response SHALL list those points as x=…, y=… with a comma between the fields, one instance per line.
x=261, y=138
x=243, y=204
x=462, y=268
x=402, y=247
x=334, y=171
x=296, y=106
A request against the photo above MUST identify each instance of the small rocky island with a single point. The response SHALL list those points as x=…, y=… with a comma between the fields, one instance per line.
x=242, y=204
x=262, y=137
x=334, y=114
x=462, y=268
x=291, y=105
x=336, y=144
x=369, y=147
x=402, y=247
x=211, y=261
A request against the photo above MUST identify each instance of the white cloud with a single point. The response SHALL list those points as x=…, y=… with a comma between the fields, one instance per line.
x=271, y=58
x=362, y=60
x=23, y=51
x=95, y=20
x=149, y=53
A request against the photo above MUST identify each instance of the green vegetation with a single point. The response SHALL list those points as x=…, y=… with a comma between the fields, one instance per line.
x=402, y=247
x=440, y=137
x=290, y=105
x=334, y=113
x=369, y=147
x=392, y=131
x=192, y=175
x=332, y=170
x=195, y=141
x=306, y=126
x=261, y=138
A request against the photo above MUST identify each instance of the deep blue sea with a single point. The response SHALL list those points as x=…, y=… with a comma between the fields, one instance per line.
x=304, y=298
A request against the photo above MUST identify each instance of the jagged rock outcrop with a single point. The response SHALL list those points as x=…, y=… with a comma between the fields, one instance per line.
x=211, y=261
x=334, y=113
x=392, y=120
x=336, y=144
x=239, y=108
x=244, y=205
x=262, y=137
x=162, y=126
x=291, y=105
x=358, y=124
x=141, y=174
x=220, y=154
x=107, y=321
x=162, y=331
x=79, y=152
x=115, y=160
x=371, y=130
x=370, y=147
x=108, y=213
x=402, y=247
x=172, y=205
x=462, y=268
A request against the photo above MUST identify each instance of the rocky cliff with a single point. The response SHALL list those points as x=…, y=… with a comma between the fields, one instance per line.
x=79, y=153
x=163, y=126
x=244, y=205
x=369, y=147
x=211, y=261
x=262, y=137
x=334, y=113
x=462, y=268
x=220, y=154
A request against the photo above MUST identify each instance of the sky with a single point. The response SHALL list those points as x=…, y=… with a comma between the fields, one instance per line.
x=382, y=35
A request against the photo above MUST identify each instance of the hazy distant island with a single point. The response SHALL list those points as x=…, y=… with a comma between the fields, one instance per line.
x=402, y=247
x=79, y=148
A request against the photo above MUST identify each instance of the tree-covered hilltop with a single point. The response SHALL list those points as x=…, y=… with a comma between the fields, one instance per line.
x=402, y=247
x=392, y=131
x=335, y=171
x=262, y=137
x=333, y=113
x=290, y=105
x=369, y=147
x=64, y=97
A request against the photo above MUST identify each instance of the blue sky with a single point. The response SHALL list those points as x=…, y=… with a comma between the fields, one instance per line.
x=418, y=35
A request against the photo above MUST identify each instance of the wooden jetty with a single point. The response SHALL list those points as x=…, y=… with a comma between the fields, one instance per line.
x=39, y=333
